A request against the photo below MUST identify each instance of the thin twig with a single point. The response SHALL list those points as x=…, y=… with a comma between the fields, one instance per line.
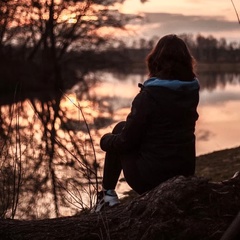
x=235, y=11
x=17, y=169
x=89, y=133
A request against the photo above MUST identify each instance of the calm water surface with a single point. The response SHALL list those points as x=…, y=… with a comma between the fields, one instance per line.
x=217, y=128
x=219, y=116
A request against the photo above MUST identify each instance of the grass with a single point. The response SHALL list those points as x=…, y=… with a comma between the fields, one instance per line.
x=220, y=165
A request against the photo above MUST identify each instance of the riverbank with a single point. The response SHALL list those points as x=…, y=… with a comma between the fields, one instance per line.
x=202, y=67
x=219, y=165
x=180, y=208
x=219, y=67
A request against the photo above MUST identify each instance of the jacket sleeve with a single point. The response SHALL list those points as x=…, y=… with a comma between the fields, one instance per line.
x=135, y=127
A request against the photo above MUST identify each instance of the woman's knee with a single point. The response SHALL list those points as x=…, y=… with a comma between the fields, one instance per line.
x=118, y=128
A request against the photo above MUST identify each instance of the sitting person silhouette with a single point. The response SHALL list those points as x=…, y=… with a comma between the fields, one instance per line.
x=157, y=140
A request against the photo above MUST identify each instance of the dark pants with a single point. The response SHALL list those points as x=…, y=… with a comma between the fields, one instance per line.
x=116, y=162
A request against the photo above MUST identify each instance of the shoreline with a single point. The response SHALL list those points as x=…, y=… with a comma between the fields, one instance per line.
x=219, y=165
x=218, y=67
x=201, y=67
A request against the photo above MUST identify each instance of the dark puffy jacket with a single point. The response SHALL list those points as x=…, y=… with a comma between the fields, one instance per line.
x=161, y=128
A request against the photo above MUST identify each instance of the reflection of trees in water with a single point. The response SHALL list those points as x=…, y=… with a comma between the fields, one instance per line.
x=47, y=147
x=210, y=80
x=45, y=53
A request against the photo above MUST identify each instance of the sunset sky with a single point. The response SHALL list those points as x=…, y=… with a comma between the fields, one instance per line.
x=207, y=17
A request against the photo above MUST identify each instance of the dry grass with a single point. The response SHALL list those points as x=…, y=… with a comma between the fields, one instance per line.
x=219, y=165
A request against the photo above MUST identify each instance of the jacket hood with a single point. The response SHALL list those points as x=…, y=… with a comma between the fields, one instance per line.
x=176, y=85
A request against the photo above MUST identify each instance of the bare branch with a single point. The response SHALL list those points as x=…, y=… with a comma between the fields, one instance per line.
x=235, y=11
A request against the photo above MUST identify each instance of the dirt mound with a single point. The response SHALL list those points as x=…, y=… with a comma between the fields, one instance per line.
x=181, y=208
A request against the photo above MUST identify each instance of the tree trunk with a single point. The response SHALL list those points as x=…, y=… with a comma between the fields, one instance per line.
x=181, y=208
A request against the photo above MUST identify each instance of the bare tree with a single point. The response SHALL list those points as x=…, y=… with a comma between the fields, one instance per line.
x=40, y=42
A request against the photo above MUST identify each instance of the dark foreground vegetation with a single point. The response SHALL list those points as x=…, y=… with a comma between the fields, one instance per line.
x=181, y=208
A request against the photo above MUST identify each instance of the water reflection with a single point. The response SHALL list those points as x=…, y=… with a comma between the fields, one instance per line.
x=213, y=80
x=218, y=125
x=51, y=162
x=50, y=141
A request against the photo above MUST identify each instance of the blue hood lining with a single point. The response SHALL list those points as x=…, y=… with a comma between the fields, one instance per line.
x=172, y=84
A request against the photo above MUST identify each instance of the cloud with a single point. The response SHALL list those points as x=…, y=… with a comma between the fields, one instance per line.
x=204, y=135
x=163, y=23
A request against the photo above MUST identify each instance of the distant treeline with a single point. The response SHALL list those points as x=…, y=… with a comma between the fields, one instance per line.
x=204, y=49
x=211, y=53
x=211, y=50
x=17, y=70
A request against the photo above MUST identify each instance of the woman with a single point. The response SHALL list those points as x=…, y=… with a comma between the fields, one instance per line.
x=157, y=140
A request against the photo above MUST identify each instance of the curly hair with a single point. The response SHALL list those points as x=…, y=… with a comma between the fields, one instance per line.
x=171, y=59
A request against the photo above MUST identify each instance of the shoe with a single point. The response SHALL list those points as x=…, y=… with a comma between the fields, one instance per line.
x=106, y=198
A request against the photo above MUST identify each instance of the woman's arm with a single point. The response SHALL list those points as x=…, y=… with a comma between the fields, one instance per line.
x=135, y=127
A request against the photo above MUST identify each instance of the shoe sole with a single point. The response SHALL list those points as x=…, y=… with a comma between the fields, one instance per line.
x=104, y=203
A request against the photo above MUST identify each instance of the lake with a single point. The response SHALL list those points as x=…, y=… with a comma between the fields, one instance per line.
x=64, y=181
x=218, y=126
